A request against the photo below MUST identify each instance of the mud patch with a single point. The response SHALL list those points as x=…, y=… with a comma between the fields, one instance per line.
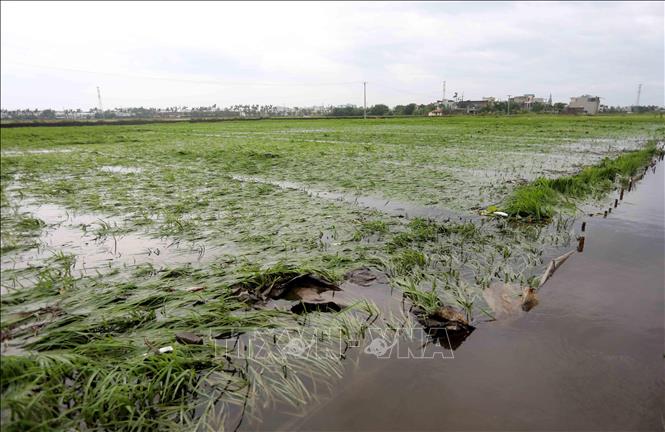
x=504, y=299
x=299, y=293
x=445, y=325
x=365, y=276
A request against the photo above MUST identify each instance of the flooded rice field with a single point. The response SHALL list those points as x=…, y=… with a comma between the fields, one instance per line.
x=589, y=357
x=457, y=273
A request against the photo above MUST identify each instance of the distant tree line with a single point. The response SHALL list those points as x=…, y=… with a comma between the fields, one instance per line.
x=645, y=109
x=258, y=111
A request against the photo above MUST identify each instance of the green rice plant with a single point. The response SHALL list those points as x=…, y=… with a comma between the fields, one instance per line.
x=29, y=223
x=427, y=300
x=408, y=261
x=56, y=276
x=368, y=228
x=263, y=279
x=104, y=229
x=174, y=224
x=536, y=200
x=464, y=296
x=539, y=200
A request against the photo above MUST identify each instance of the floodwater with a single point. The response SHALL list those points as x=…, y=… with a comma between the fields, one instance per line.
x=120, y=169
x=590, y=356
x=391, y=207
x=8, y=153
x=75, y=233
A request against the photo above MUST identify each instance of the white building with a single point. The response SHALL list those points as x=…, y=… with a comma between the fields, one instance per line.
x=585, y=103
x=526, y=101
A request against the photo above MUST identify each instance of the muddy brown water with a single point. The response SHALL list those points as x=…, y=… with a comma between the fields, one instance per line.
x=590, y=356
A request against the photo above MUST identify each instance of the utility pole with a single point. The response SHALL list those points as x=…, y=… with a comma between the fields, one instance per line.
x=443, y=99
x=639, y=93
x=365, y=100
x=99, y=99
x=508, y=104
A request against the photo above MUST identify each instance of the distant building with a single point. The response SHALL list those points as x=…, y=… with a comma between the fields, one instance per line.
x=446, y=104
x=526, y=101
x=444, y=107
x=472, y=107
x=585, y=104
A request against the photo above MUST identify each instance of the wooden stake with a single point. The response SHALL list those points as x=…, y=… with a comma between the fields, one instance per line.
x=616, y=203
x=583, y=226
x=580, y=244
x=553, y=266
x=621, y=196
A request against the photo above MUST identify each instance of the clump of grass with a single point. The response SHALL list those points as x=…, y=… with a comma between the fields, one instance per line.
x=427, y=300
x=408, y=261
x=539, y=200
x=30, y=223
x=264, y=279
x=369, y=228
x=58, y=390
x=536, y=200
x=418, y=231
x=57, y=275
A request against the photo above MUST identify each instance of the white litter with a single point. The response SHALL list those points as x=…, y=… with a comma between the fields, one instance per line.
x=499, y=213
x=166, y=349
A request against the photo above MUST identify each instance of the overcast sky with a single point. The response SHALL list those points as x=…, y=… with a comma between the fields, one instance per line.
x=166, y=54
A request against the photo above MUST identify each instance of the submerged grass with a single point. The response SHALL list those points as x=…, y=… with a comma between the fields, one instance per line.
x=58, y=390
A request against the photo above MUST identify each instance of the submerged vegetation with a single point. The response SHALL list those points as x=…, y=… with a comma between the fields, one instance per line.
x=115, y=240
